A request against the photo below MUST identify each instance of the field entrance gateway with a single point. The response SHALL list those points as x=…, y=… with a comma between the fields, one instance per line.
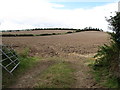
x=9, y=59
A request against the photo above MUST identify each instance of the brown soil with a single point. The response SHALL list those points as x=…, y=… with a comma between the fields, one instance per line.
x=75, y=48
x=80, y=43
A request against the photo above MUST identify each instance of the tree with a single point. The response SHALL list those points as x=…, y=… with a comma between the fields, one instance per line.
x=114, y=23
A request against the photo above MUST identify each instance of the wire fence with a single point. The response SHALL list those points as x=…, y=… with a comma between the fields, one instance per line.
x=10, y=60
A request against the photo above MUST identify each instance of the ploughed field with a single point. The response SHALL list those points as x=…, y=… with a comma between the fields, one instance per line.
x=59, y=45
x=38, y=32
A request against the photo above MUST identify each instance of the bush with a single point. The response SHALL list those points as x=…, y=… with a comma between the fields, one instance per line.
x=53, y=33
x=108, y=56
x=46, y=34
x=69, y=32
x=78, y=31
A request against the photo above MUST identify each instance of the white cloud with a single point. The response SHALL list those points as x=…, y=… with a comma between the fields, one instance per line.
x=83, y=0
x=22, y=14
x=15, y=26
x=57, y=5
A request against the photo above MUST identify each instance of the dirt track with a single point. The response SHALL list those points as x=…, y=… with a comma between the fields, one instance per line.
x=31, y=76
x=75, y=48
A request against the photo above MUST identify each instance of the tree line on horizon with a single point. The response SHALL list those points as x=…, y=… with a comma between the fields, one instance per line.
x=77, y=30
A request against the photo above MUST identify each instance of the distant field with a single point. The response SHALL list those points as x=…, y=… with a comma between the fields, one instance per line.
x=80, y=43
x=37, y=32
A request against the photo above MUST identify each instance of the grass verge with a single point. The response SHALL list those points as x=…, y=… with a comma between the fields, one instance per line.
x=59, y=75
x=103, y=76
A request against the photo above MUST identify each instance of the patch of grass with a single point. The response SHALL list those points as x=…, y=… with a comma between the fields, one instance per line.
x=24, y=53
x=111, y=82
x=90, y=61
x=59, y=75
x=25, y=63
x=103, y=77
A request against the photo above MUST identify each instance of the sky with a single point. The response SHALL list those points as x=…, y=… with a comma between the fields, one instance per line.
x=78, y=14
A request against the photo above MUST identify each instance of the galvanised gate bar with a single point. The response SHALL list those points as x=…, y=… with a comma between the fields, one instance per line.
x=10, y=60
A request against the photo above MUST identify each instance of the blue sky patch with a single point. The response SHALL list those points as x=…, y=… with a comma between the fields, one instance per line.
x=75, y=5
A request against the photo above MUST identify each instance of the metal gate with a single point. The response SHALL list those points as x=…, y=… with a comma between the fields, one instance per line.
x=9, y=60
